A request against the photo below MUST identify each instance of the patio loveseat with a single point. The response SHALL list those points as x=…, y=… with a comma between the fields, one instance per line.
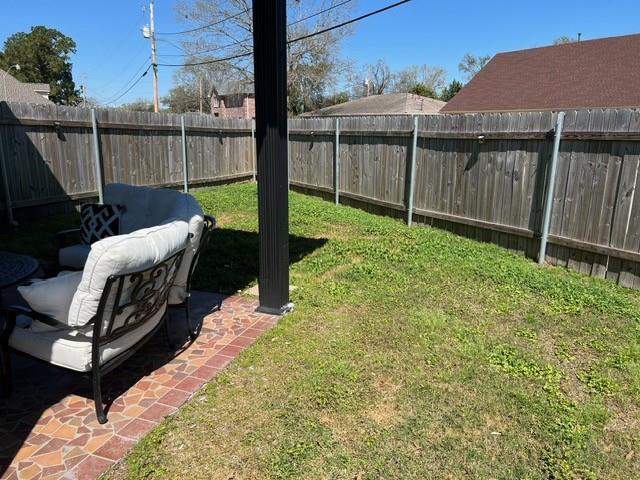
x=91, y=321
x=145, y=207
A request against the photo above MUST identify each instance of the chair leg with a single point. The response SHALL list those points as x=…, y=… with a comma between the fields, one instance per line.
x=97, y=396
x=187, y=312
x=5, y=371
x=167, y=335
x=5, y=359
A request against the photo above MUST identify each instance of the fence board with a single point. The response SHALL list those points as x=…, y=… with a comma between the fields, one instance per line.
x=481, y=175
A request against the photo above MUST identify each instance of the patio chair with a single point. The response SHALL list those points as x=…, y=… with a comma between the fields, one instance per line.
x=120, y=301
x=145, y=207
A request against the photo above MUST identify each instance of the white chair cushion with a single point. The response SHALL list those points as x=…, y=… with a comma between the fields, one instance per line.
x=135, y=199
x=72, y=348
x=146, y=206
x=52, y=297
x=119, y=255
x=74, y=256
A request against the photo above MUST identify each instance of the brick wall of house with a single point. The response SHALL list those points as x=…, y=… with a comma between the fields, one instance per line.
x=244, y=107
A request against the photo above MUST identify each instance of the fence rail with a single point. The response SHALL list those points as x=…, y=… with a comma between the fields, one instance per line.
x=49, y=155
x=481, y=175
x=486, y=176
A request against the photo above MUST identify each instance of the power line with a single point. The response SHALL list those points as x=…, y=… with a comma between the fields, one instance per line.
x=246, y=39
x=174, y=45
x=328, y=9
x=349, y=22
x=303, y=37
x=207, y=62
x=203, y=27
x=125, y=69
x=133, y=77
x=128, y=89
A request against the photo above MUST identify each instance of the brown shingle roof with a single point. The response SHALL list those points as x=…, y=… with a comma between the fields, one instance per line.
x=18, y=91
x=588, y=74
x=387, y=104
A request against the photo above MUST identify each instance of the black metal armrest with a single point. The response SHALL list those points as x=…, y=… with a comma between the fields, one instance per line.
x=68, y=237
x=211, y=220
x=11, y=312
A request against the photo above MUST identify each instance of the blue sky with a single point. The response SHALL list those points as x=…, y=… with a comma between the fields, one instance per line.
x=111, y=48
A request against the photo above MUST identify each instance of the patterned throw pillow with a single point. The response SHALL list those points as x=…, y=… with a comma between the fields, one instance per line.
x=99, y=221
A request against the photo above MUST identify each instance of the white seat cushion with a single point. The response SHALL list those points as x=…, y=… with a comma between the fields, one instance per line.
x=52, y=297
x=146, y=207
x=72, y=348
x=120, y=255
x=74, y=256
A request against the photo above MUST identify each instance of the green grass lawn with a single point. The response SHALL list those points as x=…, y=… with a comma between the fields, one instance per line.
x=412, y=353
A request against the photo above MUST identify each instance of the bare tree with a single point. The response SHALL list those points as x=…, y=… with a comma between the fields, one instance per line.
x=470, y=65
x=195, y=84
x=565, y=39
x=379, y=77
x=432, y=78
x=313, y=62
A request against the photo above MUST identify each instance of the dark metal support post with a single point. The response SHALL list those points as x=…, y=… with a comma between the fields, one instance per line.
x=253, y=149
x=270, y=66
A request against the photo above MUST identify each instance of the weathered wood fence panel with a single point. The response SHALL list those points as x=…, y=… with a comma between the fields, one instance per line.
x=479, y=175
x=46, y=160
x=311, y=143
x=49, y=157
x=485, y=176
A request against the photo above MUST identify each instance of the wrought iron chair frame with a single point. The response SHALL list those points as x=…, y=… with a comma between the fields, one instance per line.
x=143, y=310
x=205, y=237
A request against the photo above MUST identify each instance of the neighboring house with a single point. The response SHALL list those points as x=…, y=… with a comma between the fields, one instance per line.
x=17, y=91
x=239, y=102
x=588, y=74
x=386, y=104
x=42, y=89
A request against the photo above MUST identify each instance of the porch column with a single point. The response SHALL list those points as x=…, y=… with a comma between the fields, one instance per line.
x=270, y=67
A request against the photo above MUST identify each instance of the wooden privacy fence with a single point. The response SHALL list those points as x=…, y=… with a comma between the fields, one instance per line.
x=481, y=175
x=486, y=176
x=52, y=154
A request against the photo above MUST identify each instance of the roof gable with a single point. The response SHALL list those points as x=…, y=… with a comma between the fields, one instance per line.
x=17, y=91
x=588, y=74
x=386, y=104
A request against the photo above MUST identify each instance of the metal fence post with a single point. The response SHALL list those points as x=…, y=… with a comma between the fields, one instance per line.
x=551, y=183
x=412, y=171
x=97, y=157
x=185, y=167
x=336, y=164
x=253, y=148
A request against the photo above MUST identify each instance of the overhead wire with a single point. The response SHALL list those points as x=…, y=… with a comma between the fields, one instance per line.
x=128, y=89
x=209, y=25
x=238, y=42
x=247, y=54
x=297, y=39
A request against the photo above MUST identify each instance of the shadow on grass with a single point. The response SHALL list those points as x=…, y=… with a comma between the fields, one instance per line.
x=230, y=263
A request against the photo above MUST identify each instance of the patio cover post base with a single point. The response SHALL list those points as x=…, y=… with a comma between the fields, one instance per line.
x=276, y=311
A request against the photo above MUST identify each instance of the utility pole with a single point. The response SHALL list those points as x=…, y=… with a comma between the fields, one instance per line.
x=84, y=92
x=154, y=61
x=200, y=82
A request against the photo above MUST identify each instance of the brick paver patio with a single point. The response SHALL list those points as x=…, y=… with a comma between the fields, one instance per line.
x=48, y=427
